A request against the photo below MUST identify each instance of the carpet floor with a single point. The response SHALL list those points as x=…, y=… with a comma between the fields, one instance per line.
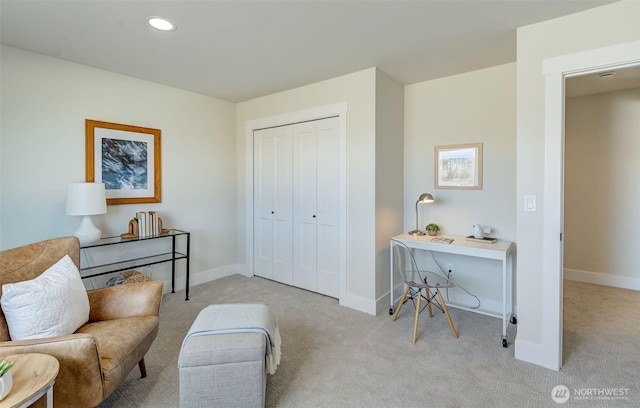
x=335, y=357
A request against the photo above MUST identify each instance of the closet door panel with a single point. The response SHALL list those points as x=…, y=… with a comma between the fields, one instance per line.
x=304, y=213
x=297, y=205
x=328, y=206
x=264, y=170
x=327, y=265
x=273, y=189
x=304, y=275
x=283, y=205
x=305, y=174
x=264, y=249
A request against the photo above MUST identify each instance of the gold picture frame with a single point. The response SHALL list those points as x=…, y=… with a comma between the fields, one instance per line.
x=126, y=159
x=458, y=167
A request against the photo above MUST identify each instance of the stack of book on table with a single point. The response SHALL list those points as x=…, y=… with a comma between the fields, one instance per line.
x=149, y=223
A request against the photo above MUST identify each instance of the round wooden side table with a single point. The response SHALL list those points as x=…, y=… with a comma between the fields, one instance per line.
x=33, y=376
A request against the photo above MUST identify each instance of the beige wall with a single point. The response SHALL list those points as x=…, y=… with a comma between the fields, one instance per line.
x=601, y=164
x=45, y=102
x=389, y=176
x=374, y=171
x=475, y=107
x=358, y=91
x=600, y=27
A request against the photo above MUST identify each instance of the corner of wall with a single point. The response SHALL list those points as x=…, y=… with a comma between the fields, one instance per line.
x=389, y=173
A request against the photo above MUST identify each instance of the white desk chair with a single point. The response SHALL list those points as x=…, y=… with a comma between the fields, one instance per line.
x=417, y=280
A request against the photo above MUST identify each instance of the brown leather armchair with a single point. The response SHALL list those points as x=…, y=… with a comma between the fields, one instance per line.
x=123, y=323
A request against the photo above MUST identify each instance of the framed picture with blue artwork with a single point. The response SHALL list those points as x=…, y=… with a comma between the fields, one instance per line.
x=126, y=159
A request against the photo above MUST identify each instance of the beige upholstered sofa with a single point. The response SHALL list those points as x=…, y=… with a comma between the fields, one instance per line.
x=123, y=323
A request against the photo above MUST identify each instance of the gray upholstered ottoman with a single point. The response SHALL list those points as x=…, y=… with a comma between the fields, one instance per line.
x=223, y=359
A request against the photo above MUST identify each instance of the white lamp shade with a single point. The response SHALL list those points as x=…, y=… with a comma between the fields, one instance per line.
x=86, y=199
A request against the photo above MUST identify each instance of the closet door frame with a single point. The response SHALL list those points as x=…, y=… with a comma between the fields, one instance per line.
x=338, y=110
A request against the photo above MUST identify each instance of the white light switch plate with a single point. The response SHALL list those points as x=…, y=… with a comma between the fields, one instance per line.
x=529, y=203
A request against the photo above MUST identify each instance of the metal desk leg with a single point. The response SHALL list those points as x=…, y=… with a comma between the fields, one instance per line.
x=507, y=296
x=173, y=264
x=391, y=278
x=187, y=265
x=504, y=302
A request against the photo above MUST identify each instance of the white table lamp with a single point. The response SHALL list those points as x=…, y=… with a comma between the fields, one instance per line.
x=423, y=199
x=86, y=199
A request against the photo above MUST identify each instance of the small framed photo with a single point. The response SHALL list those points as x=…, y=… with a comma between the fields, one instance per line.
x=126, y=159
x=458, y=167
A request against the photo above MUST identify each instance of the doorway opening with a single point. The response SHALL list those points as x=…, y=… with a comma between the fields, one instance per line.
x=602, y=121
x=556, y=71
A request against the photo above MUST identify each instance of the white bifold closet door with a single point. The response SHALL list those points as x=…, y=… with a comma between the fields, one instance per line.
x=314, y=197
x=273, y=204
x=315, y=206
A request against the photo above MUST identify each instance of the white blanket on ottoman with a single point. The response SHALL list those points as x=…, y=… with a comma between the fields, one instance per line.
x=240, y=318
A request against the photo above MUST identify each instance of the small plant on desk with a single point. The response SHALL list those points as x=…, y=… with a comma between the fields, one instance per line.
x=6, y=381
x=4, y=367
x=432, y=229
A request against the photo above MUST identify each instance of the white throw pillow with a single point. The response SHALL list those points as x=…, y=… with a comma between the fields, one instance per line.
x=53, y=304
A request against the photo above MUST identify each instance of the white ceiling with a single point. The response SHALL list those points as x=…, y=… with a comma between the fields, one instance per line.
x=240, y=50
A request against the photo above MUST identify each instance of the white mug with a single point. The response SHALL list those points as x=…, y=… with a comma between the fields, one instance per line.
x=478, y=233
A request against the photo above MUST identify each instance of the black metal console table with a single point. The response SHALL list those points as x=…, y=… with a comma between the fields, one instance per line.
x=133, y=262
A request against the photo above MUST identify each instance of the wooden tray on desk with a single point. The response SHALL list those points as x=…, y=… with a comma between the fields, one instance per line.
x=486, y=240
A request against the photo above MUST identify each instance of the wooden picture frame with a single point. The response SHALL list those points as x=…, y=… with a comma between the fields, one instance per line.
x=458, y=167
x=126, y=159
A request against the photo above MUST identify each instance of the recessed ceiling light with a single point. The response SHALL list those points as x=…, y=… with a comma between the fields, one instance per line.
x=161, y=23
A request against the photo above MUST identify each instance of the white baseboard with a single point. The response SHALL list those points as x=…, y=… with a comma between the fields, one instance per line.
x=244, y=270
x=359, y=303
x=383, y=304
x=351, y=301
x=534, y=353
x=605, y=279
x=528, y=352
x=204, y=276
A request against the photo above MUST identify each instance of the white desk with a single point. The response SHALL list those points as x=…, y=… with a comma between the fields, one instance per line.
x=501, y=250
